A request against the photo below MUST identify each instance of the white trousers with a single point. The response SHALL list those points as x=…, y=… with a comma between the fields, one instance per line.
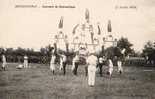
x=25, y=63
x=119, y=64
x=110, y=70
x=52, y=66
x=3, y=64
x=61, y=65
x=91, y=75
x=73, y=65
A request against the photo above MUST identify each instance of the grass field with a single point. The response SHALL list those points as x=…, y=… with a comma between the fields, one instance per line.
x=39, y=83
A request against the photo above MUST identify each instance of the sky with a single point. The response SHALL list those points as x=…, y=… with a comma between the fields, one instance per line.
x=35, y=27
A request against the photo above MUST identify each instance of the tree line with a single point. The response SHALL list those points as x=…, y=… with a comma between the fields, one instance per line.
x=16, y=55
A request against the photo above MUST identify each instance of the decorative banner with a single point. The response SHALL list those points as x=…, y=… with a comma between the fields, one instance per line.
x=109, y=26
x=61, y=23
x=87, y=15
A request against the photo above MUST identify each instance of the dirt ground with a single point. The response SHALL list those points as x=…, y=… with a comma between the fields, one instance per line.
x=38, y=82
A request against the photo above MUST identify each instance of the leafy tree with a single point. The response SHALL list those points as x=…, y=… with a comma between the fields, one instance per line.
x=2, y=50
x=20, y=51
x=123, y=43
x=149, y=52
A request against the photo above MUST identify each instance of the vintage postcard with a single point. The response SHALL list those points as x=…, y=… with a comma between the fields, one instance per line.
x=77, y=49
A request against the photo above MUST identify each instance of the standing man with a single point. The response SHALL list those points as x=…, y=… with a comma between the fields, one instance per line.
x=110, y=67
x=4, y=62
x=25, y=61
x=52, y=63
x=86, y=67
x=61, y=63
x=92, y=62
x=100, y=64
x=120, y=59
x=75, y=64
x=64, y=63
x=119, y=64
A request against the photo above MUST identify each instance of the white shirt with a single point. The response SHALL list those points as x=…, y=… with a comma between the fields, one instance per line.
x=64, y=58
x=92, y=60
x=110, y=63
x=76, y=59
x=100, y=60
x=25, y=57
x=4, y=59
x=53, y=59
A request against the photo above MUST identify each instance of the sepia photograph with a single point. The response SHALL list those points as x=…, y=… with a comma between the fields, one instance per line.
x=77, y=49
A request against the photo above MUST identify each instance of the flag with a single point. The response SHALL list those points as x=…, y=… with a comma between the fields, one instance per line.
x=61, y=23
x=99, y=30
x=74, y=29
x=92, y=38
x=109, y=26
x=87, y=15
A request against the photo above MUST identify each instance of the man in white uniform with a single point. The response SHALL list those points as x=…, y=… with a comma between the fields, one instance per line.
x=119, y=61
x=119, y=64
x=52, y=63
x=25, y=61
x=63, y=62
x=110, y=67
x=4, y=62
x=92, y=62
